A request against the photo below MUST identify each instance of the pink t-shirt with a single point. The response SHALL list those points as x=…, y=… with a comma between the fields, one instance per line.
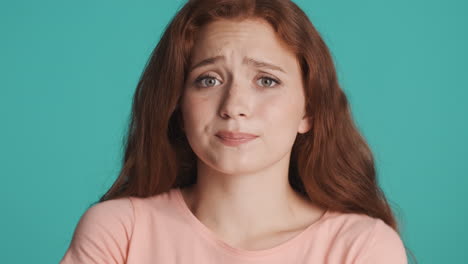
x=161, y=229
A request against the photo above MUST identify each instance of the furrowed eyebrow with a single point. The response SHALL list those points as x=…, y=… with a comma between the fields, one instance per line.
x=207, y=61
x=262, y=64
x=247, y=60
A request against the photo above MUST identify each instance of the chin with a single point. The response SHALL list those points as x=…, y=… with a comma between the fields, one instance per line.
x=233, y=166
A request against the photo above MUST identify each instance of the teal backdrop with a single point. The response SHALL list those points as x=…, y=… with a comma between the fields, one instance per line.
x=69, y=69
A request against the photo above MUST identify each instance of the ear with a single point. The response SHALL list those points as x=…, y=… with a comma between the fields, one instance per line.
x=305, y=125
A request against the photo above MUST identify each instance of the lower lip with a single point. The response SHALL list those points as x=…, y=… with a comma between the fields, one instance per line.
x=235, y=142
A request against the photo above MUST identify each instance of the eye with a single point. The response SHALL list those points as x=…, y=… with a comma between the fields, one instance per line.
x=206, y=81
x=268, y=81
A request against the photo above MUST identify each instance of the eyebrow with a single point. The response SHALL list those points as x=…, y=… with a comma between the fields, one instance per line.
x=247, y=60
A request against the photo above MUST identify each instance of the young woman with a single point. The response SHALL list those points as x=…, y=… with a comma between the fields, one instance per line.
x=241, y=149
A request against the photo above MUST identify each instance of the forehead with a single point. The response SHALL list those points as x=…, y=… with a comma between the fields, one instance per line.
x=249, y=37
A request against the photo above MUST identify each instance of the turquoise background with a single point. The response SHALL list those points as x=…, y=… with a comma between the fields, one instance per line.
x=69, y=68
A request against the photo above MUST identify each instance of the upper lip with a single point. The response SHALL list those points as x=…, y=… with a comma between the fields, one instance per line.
x=235, y=135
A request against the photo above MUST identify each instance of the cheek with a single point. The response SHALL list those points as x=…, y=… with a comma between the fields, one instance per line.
x=195, y=111
x=280, y=114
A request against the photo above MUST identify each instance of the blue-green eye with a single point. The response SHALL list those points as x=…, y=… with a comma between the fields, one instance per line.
x=206, y=81
x=267, y=81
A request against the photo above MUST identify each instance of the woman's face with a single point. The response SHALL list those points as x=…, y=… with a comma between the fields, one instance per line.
x=242, y=79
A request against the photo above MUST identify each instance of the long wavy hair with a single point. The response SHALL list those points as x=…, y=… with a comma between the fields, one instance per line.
x=331, y=164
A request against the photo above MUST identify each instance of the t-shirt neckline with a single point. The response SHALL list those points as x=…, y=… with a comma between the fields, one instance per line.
x=239, y=252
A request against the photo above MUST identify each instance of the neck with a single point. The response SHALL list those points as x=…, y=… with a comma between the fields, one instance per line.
x=250, y=204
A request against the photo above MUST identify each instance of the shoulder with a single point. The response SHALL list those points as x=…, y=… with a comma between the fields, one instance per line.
x=111, y=215
x=367, y=239
x=102, y=233
x=383, y=245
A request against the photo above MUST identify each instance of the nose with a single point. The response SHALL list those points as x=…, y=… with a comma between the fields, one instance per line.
x=236, y=101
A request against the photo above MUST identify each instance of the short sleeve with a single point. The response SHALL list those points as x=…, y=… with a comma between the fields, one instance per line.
x=384, y=247
x=102, y=234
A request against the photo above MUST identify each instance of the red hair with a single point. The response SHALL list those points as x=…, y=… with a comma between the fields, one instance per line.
x=331, y=164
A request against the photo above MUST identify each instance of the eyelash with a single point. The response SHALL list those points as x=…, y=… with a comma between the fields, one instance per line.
x=206, y=76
